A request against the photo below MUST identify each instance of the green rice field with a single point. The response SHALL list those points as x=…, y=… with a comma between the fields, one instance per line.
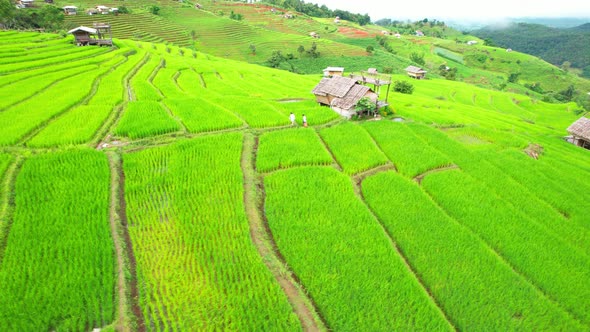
x=151, y=187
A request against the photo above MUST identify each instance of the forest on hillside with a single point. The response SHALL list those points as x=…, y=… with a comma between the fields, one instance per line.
x=562, y=47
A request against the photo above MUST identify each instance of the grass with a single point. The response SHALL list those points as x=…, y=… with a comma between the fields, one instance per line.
x=145, y=118
x=353, y=148
x=288, y=148
x=197, y=267
x=341, y=255
x=59, y=249
x=460, y=270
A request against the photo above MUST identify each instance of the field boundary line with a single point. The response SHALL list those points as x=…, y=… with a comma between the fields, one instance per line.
x=131, y=267
x=335, y=163
x=261, y=236
x=177, y=119
x=418, y=178
x=39, y=92
x=54, y=63
x=175, y=80
x=502, y=259
x=8, y=201
x=361, y=176
x=153, y=75
x=124, y=319
x=357, y=184
x=113, y=119
x=377, y=144
x=84, y=101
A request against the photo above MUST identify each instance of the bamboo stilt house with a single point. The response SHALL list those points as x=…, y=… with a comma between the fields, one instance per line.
x=580, y=132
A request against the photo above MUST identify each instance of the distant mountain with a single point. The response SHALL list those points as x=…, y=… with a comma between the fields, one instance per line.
x=554, y=45
x=583, y=27
x=562, y=22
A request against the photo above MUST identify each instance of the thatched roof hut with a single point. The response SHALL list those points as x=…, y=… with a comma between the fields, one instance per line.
x=580, y=131
x=342, y=94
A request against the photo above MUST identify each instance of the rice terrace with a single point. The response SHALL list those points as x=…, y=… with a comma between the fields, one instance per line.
x=151, y=178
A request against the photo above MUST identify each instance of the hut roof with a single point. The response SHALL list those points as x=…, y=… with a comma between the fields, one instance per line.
x=351, y=98
x=580, y=128
x=83, y=28
x=340, y=69
x=415, y=70
x=69, y=7
x=337, y=86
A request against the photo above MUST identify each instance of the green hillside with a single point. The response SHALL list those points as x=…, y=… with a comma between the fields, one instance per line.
x=154, y=187
x=556, y=46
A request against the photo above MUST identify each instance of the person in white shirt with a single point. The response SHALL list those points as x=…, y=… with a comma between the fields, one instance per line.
x=292, y=118
x=304, y=120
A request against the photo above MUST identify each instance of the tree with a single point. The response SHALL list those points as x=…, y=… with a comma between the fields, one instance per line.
x=567, y=94
x=370, y=49
x=488, y=42
x=252, y=49
x=403, y=87
x=365, y=104
x=513, y=78
x=124, y=10
x=275, y=59
x=313, y=51
x=155, y=10
x=300, y=50
x=417, y=58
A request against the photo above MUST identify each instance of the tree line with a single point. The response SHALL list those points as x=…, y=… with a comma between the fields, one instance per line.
x=47, y=17
x=323, y=11
x=561, y=47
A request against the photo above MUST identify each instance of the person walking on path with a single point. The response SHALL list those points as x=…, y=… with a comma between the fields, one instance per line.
x=304, y=120
x=292, y=118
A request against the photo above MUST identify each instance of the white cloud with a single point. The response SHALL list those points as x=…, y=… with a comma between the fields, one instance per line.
x=461, y=9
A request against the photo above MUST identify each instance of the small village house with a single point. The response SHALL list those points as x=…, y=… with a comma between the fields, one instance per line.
x=397, y=35
x=337, y=20
x=26, y=3
x=102, y=9
x=333, y=71
x=580, y=132
x=314, y=34
x=471, y=42
x=99, y=35
x=70, y=10
x=342, y=94
x=419, y=33
x=416, y=72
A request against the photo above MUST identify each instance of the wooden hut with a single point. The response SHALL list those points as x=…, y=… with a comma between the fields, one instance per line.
x=83, y=35
x=333, y=71
x=342, y=94
x=416, y=72
x=580, y=132
x=99, y=35
x=70, y=10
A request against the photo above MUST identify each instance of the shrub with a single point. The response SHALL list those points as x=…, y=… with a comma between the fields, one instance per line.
x=403, y=87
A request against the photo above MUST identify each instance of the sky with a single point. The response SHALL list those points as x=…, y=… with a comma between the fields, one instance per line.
x=461, y=9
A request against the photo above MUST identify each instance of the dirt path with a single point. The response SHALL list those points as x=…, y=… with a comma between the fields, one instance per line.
x=262, y=239
x=128, y=311
x=7, y=201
